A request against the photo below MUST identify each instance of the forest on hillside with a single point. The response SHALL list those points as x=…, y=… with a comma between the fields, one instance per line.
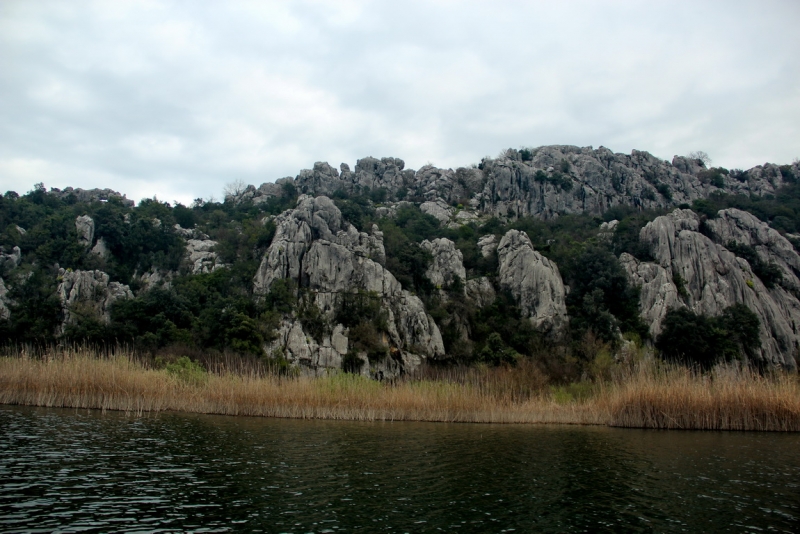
x=218, y=312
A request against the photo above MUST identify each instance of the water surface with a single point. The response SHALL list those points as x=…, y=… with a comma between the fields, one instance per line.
x=67, y=470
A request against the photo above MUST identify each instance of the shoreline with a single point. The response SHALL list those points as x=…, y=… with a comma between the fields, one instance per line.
x=655, y=396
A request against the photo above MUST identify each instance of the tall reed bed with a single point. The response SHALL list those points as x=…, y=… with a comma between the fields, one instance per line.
x=727, y=398
x=646, y=395
x=79, y=379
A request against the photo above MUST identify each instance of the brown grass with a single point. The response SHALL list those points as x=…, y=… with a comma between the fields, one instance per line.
x=728, y=398
x=648, y=395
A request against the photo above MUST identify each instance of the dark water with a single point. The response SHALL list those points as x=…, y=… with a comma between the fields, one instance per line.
x=65, y=471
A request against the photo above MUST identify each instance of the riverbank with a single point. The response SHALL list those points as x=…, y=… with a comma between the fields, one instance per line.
x=649, y=395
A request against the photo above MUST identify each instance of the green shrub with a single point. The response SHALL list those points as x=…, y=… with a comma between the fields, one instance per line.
x=187, y=371
x=700, y=340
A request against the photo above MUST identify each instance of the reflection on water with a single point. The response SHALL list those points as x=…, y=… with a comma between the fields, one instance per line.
x=62, y=470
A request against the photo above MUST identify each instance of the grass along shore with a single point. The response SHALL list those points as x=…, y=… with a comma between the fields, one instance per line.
x=649, y=394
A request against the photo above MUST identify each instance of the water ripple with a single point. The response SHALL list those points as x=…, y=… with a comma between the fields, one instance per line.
x=69, y=471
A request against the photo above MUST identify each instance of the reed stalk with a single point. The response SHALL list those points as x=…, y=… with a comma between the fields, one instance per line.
x=648, y=395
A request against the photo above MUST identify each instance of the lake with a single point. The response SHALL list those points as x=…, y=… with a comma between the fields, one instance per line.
x=66, y=470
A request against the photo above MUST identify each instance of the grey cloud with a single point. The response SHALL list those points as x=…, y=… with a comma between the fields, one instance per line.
x=163, y=98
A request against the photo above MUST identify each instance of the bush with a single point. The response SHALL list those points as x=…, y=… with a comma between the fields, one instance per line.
x=700, y=340
x=187, y=371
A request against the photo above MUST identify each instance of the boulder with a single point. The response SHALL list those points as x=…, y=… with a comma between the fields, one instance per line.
x=437, y=208
x=533, y=280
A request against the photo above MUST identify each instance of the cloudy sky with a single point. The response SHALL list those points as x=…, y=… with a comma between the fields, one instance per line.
x=176, y=99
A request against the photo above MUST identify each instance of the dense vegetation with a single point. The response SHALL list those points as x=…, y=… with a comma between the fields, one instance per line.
x=218, y=312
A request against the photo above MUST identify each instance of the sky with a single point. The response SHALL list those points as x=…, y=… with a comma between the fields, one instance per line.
x=176, y=99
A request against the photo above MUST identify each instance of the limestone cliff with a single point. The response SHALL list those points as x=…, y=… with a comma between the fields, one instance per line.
x=326, y=257
x=697, y=271
x=88, y=293
x=533, y=280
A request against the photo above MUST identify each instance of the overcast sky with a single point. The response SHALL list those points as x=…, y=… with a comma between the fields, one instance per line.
x=176, y=99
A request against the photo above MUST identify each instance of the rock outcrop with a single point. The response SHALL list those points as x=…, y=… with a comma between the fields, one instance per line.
x=90, y=195
x=5, y=313
x=327, y=257
x=301, y=350
x=88, y=293
x=85, y=227
x=743, y=228
x=10, y=261
x=447, y=264
x=693, y=270
x=533, y=280
x=542, y=182
x=201, y=256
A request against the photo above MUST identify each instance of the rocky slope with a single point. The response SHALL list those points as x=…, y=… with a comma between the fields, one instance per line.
x=327, y=264
x=327, y=258
x=695, y=270
x=541, y=182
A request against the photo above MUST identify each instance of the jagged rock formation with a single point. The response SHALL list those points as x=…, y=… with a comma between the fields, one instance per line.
x=88, y=293
x=5, y=313
x=327, y=257
x=438, y=209
x=541, y=182
x=480, y=291
x=10, y=261
x=7, y=263
x=533, y=280
x=90, y=195
x=302, y=350
x=447, y=264
x=693, y=270
x=201, y=256
x=85, y=227
x=744, y=228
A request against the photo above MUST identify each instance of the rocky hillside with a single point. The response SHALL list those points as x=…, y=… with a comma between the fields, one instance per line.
x=557, y=253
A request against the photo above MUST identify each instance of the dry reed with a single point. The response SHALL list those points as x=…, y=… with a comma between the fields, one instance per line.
x=650, y=395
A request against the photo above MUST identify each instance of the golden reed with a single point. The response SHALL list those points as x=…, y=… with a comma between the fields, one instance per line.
x=650, y=395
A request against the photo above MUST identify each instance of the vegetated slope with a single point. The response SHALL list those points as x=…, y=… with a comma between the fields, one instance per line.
x=561, y=254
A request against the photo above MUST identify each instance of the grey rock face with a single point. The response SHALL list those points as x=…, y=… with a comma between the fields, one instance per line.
x=746, y=229
x=328, y=257
x=10, y=261
x=91, y=195
x=533, y=280
x=84, y=292
x=100, y=249
x=488, y=245
x=189, y=233
x=447, y=264
x=438, y=209
x=155, y=279
x=201, y=256
x=370, y=173
x=480, y=291
x=85, y=227
x=5, y=313
x=713, y=278
x=302, y=351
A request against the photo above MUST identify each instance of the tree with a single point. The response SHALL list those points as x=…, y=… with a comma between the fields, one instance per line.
x=700, y=156
x=234, y=188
